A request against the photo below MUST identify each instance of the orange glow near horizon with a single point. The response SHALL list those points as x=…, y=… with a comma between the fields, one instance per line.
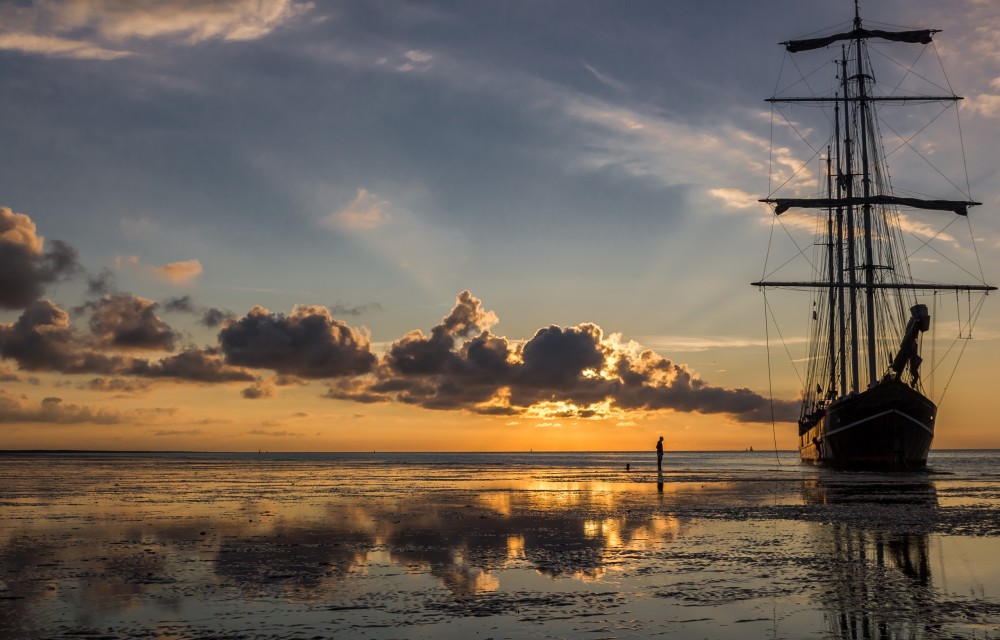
x=185, y=417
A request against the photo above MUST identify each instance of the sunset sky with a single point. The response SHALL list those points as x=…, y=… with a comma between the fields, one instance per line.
x=366, y=225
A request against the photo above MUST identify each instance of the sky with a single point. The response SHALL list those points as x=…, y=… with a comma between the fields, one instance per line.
x=366, y=225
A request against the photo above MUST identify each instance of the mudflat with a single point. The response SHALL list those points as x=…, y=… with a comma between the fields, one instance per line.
x=243, y=547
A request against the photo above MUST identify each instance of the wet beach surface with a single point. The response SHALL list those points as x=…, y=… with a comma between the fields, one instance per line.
x=151, y=547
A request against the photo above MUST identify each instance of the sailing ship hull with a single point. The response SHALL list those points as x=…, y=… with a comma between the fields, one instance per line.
x=889, y=426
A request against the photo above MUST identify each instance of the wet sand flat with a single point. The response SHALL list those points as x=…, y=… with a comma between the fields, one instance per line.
x=135, y=547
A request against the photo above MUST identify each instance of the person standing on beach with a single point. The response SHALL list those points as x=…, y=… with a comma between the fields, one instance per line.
x=659, y=454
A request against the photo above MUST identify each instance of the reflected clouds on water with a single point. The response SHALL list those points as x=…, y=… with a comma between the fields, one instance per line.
x=128, y=546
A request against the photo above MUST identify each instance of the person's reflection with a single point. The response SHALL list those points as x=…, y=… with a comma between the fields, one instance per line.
x=659, y=482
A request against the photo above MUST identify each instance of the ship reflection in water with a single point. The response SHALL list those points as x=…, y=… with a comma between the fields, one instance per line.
x=242, y=550
x=875, y=553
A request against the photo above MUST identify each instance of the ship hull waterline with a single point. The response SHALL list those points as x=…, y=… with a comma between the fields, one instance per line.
x=887, y=427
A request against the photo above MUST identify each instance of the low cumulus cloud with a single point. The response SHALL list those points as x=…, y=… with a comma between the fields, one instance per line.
x=267, y=387
x=180, y=304
x=126, y=322
x=209, y=316
x=179, y=272
x=43, y=339
x=193, y=365
x=26, y=266
x=176, y=273
x=213, y=317
x=261, y=388
x=307, y=343
x=101, y=284
x=572, y=372
x=561, y=372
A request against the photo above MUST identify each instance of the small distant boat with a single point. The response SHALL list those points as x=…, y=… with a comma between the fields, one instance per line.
x=864, y=404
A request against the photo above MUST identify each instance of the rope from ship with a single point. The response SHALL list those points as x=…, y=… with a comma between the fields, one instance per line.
x=770, y=389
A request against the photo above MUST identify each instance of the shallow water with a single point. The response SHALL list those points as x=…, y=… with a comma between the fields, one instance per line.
x=495, y=546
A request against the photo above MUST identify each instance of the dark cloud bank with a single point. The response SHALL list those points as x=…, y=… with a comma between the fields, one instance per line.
x=460, y=365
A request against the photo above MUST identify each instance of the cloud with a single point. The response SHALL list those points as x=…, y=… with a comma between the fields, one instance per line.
x=605, y=79
x=356, y=390
x=415, y=353
x=359, y=310
x=365, y=213
x=415, y=60
x=561, y=372
x=182, y=304
x=572, y=372
x=7, y=375
x=178, y=272
x=307, y=343
x=115, y=385
x=42, y=339
x=121, y=321
x=102, y=283
x=84, y=29
x=18, y=408
x=175, y=432
x=57, y=47
x=275, y=434
x=194, y=365
x=735, y=198
x=985, y=104
x=261, y=388
x=190, y=20
x=212, y=317
x=25, y=266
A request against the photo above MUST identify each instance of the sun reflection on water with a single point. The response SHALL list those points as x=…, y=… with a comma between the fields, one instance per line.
x=265, y=543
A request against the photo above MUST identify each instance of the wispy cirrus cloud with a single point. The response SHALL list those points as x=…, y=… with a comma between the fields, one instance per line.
x=56, y=46
x=53, y=410
x=97, y=30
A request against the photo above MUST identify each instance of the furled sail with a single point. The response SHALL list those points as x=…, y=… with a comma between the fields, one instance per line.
x=960, y=207
x=921, y=36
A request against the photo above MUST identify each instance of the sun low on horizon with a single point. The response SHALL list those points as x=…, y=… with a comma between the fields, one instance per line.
x=299, y=226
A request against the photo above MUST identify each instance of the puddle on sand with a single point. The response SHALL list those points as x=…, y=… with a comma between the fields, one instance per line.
x=240, y=550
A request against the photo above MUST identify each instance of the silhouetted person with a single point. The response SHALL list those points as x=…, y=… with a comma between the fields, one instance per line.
x=659, y=454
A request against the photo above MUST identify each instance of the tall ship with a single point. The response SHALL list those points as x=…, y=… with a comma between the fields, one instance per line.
x=864, y=403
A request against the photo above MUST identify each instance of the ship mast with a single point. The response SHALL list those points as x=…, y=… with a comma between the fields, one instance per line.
x=857, y=202
x=841, y=320
x=852, y=268
x=862, y=93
